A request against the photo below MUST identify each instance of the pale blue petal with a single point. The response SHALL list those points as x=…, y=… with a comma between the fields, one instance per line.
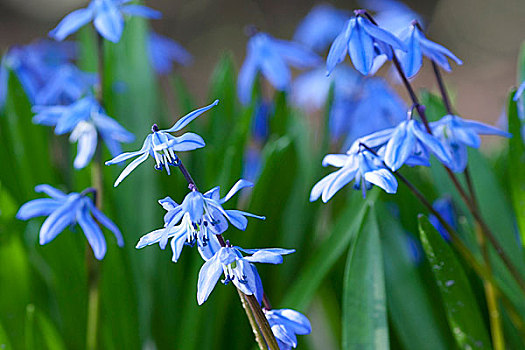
x=239, y=185
x=86, y=147
x=50, y=191
x=265, y=257
x=412, y=60
x=182, y=122
x=71, y=23
x=484, y=129
x=37, y=207
x=296, y=55
x=344, y=176
x=168, y=203
x=187, y=142
x=150, y=238
x=400, y=147
x=339, y=47
x=92, y=232
x=280, y=251
x=109, y=22
x=58, y=220
x=276, y=71
x=238, y=218
x=131, y=166
x=432, y=143
x=125, y=156
x=382, y=178
x=295, y=320
x=214, y=194
x=246, y=78
x=319, y=187
x=209, y=275
x=106, y=222
x=381, y=34
x=361, y=49
x=177, y=243
x=337, y=160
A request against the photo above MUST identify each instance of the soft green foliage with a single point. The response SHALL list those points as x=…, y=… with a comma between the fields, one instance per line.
x=353, y=273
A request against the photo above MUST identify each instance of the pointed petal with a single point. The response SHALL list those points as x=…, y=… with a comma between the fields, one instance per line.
x=238, y=218
x=344, y=176
x=109, y=22
x=106, y=222
x=432, y=143
x=484, y=129
x=182, y=122
x=71, y=23
x=382, y=178
x=131, y=166
x=319, y=187
x=50, y=191
x=400, y=146
x=92, y=232
x=361, y=48
x=141, y=11
x=188, y=142
x=239, y=185
x=37, y=207
x=381, y=34
x=177, y=243
x=339, y=47
x=58, y=221
x=209, y=275
x=246, y=78
x=337, y=160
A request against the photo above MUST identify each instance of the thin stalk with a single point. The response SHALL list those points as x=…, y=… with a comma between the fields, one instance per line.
x=254, y=312
x=491, y=296
x=466, y=198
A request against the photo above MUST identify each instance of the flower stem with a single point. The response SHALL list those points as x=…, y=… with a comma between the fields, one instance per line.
x=260, y=326
x=491, y=296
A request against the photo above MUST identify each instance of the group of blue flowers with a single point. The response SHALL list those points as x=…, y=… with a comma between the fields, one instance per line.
x=380, y=133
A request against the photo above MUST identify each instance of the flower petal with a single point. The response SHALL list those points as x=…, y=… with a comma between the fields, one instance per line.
x=182, y=122
x=37, y=207
x=239, y=185
x=141, y=11
x=92, y=232
x=188, y=142
x=209, y=275
x=131, y=166
x=50, y=191
x=106, y=222
x=109, y=22
x=339, y=47
x=71, y=23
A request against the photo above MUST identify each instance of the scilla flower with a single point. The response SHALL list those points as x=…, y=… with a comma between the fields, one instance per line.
x=237, y=269
x=457, y=133
x=196, y=219
x=271, y=58
x=161, y=145
x=419, y=46
x=163, y=52
x=362, y=165
x=63, y=210
x=107, y=16
x=363, y=41
x=86, y=121
x=286, y=324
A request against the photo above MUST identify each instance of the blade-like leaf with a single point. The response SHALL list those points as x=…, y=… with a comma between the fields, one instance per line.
x=364, y=298
x=463, y=314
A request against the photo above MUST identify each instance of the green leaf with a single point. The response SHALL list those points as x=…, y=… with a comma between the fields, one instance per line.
x=316, y=268
x=4, y=339
x=464, y=317
x=417, y=324
x=364, y=298
x=516, y=165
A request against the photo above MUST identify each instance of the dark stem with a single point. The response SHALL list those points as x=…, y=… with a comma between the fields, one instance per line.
x=442, y=89
x=266, y=302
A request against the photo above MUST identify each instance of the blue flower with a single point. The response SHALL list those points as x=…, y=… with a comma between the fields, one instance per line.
x=271, y=57
x=457, y=133
x=107, y=16
x=65, y=85
x=33, y=65
x=261, y=119
x=320, y=27
x=419, y=46
x=163, y=51
x=237, y=269
x=162, y=146
x=359, y=164
x=445, y=208
x=195, y=218
x=363, y=41
x=85, y=120
x=63, y=210
x=519, y=92
x=285, y=324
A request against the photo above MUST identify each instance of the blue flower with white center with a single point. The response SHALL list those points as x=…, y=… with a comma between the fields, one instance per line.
x=286, y=324
x=161, y=145
x=65, y=86
x=195, y=218
x=457, y=133
x=320, y=27
x=163, y=52
x=409, y=141
x=363, y=41
x=237, y=269
x=359, y=164
x=33, y=65
x=445, y=208
x=86, y=121
x=271, y=57
x=63, y=210
x=107, y=17
x=419, y=46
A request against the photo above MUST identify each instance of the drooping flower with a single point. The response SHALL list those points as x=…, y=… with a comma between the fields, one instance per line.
x=197, y=219
x=64, y=86
x=163, y=52
x=286, y=324
x=107, y=17
x=86, y=120
x=271, y=57
x=162, y=146
x=419, y=46
x=363, y=41
x=237, y=269
x=320, y=27
x=34, y=64
x=445, y=208
x=63, y=210
x=457, y=133
x=359, y=164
